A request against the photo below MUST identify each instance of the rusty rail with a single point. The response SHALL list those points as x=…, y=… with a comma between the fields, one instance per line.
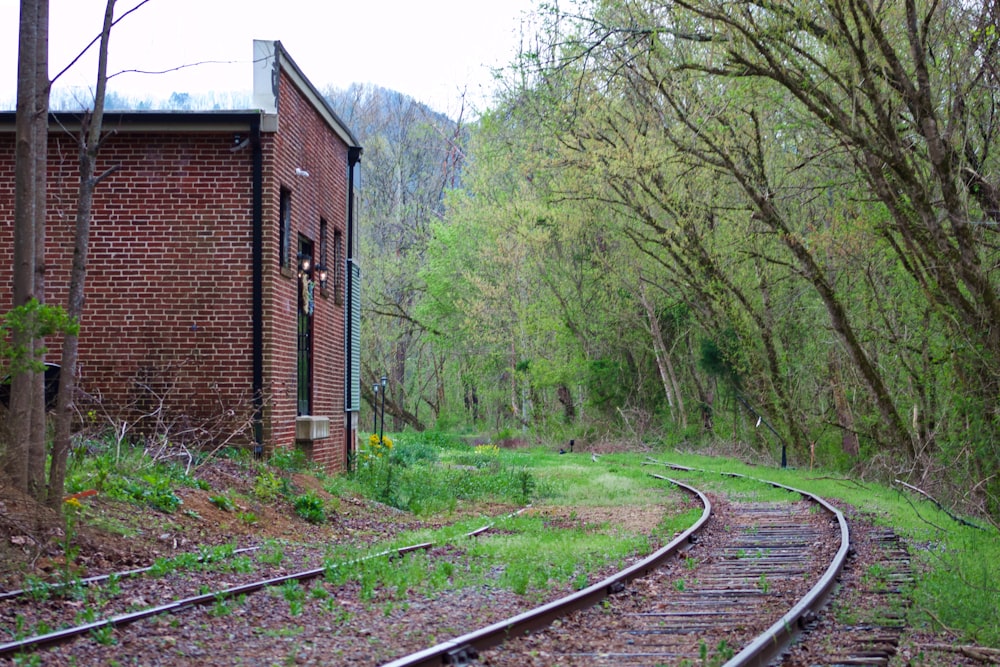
x=461, y=650
x=66, y=634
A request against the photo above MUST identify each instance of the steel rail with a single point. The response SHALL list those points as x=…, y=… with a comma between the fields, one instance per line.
x=769, y=645
x=773, y=641
x=96, y=579
x=66, y=634
x=461, y=650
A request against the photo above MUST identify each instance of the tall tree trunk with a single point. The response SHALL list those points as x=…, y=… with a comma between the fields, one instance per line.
x=40, y=139
x=90, y=138
x=566, y=398
x=845, y=418
x=31, y=121
x=667, y=375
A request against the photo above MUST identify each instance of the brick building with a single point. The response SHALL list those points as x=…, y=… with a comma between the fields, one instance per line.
x=222, y=277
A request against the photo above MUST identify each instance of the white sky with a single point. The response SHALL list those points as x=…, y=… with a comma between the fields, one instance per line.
x=431, y=50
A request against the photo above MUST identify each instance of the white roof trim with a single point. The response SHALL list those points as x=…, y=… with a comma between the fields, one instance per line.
x=270, y=57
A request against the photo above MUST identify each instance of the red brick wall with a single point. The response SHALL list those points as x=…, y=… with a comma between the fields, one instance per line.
x=168, y=288
x=305, y=142
x=169, y=292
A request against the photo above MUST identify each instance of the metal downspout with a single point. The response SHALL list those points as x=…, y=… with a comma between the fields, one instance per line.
x=258, y=286
x=353, y=158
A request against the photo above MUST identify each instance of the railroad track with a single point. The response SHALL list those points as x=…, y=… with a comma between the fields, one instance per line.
x=735, y=587
x=746, y=584
x=215, y=596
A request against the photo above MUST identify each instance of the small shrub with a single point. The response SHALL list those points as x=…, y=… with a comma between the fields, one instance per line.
x=309, y=506
x=152, y=490
x=223, y=502
x=289, y=459
x=413, y=453
x=267, y=487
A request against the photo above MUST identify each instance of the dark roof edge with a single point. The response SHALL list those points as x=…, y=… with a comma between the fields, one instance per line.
x=148, y=120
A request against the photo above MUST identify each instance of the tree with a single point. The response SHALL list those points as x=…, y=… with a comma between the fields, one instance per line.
x=90, y=140
x=815, y=182
x=413, y=155
x=25, y=458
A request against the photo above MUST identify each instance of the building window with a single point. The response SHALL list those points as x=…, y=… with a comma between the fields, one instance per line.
x=285, y=229
x=339, y=267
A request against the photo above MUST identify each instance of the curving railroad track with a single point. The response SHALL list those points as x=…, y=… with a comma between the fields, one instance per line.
x=746, y=583
x=735, y=588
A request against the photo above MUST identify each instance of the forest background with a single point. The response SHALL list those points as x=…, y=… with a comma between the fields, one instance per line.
x=691, y=222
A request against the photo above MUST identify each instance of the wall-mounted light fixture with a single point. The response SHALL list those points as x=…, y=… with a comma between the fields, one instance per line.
x=299, y=171
x=316, y=272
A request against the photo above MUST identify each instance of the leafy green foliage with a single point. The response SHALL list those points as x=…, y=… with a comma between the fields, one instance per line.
x=32, y=320
x=223, y=502
x=268, y=486
x=432, y=475
x=310, y=507
x=289, y=459
x=150, y=489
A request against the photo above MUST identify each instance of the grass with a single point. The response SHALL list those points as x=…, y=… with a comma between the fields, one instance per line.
x=433, y=477
x=527, y=554
x=957, y=585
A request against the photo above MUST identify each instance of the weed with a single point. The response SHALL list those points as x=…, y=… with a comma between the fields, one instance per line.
x=340, y=614
x=150, y=489
x=104, y=635
x=267, y=487
x=37, y=589
x=295, y=607
x=294, y=595
x=763, y=584
x=221, y=607
x=213, y=554
x=291, y=631
x=249, y=518
x=223, y=502
x=289, y=459
x=272, y=553
x=164, y=566
x=718, y=657
x=309, y=506
x=86, y=615
x=241, y=564
x=19, y=627
x=292, y=590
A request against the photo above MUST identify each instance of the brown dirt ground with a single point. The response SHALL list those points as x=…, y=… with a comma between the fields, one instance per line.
x=118, y=536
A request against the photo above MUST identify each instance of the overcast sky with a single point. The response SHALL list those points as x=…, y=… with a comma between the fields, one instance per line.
x=431, y=50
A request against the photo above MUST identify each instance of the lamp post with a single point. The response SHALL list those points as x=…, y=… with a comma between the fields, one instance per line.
x=382, y=430
x=375, y=387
